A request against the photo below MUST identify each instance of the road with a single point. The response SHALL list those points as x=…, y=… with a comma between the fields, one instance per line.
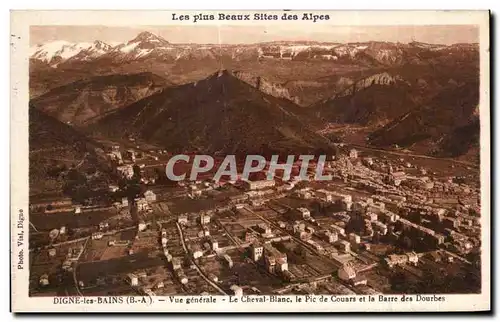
x=75, y=280
x=181, y=234
x=422, y=156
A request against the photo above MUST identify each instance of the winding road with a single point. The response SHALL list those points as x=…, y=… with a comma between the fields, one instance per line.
x=181, y=234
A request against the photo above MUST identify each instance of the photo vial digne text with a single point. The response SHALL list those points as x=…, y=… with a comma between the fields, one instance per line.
x=254, y=160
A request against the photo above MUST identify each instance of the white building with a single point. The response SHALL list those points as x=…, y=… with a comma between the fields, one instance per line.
x=141, y=226
x=97, y=235
x=347, y=272
x=257, y=251
x=215, y=244
x=344, y=246
x=259, y=184
x=44, y=280
x=142, y=204
x=238, y=291
x=204, y=218
x=324, y=195
x=412, y=258
x=124, y=202
x=127, y=171
x=354, y=238
x=150, y=196
x=133, y=279
x=338, y=229
x=304, y=212
x=197, y=253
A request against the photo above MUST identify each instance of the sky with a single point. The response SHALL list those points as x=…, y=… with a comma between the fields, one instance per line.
x=227, y=34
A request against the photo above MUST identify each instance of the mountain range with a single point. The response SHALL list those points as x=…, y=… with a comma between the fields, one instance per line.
x=219, y=114
x=245, y=97
x=87, y=100
x=147, y=45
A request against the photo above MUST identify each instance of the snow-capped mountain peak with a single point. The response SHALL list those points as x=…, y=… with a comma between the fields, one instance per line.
x=58, y=51
x=101, y=45
x=142, y=45
x=148, y=37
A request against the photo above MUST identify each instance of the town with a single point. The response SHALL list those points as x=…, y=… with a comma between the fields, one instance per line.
x=383, y=224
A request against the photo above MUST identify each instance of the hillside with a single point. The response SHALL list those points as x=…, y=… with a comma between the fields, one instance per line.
x=372, y=100
x=86, y=100
x=445, y=126
x=218, y=114
x=56, y=148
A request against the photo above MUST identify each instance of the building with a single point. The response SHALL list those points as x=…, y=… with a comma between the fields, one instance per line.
x=264, y=229
x=44, y=280
x=396, y=178
x=97, y=235
x=124, y=202
x=150, y=196
x=281, y=265
x=353, y=154
x=324, y=195
x=354, y=238
x=141, y=204
x=272, y=256
x=412, y=258
x=214, y=243
x=126, y=171
x=132, y=279
x=371, y=216
x=304, y=194
x=338, y=229
x=176, y=263
x=250, y=236
x=258, y=184
x=196, y=250
x=394, y=260
x=181, y=276
x=380, y=227
x=344, y=246
x=131, y=154
x=204, y=218
x=257, y=251
x=182, y=219
x=360, y=206
x=303, y=212
x=347, y=272
x=298, y=227
x=330, y=237
x=238, y=291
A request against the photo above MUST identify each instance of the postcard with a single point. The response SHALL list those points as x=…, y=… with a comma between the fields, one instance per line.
x=250, y=161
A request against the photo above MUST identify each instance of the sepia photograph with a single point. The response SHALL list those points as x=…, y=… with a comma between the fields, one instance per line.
x=255, y=161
